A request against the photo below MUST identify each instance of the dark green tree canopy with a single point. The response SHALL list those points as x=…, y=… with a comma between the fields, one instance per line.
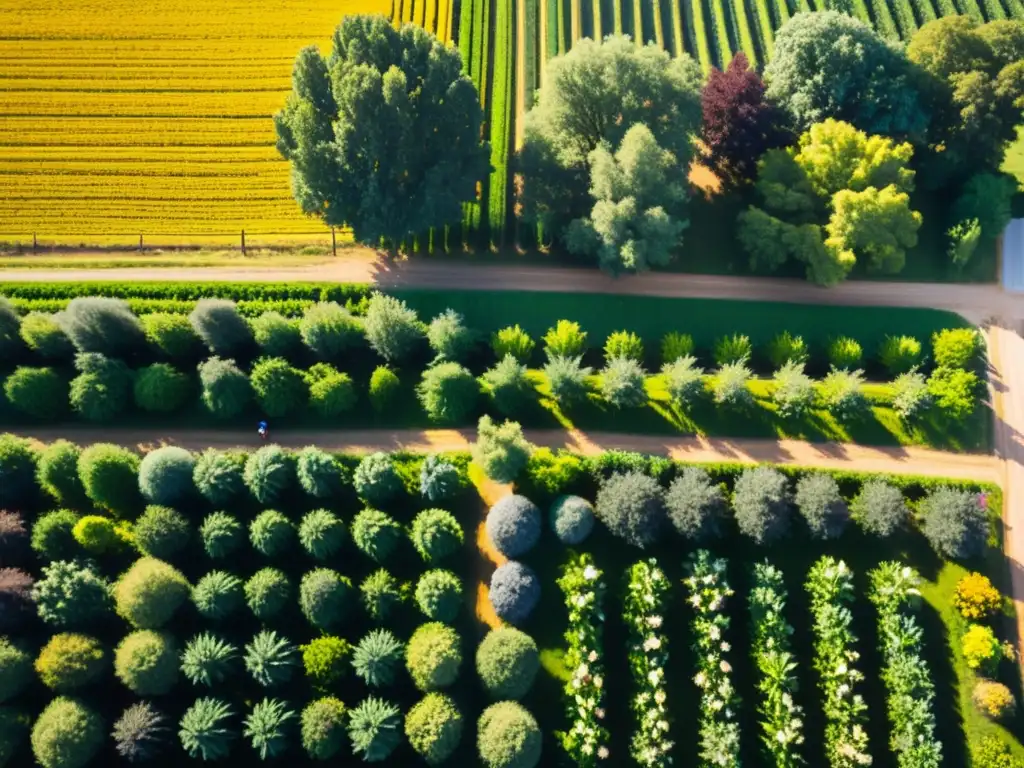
x=830, y=65
x=384, y=135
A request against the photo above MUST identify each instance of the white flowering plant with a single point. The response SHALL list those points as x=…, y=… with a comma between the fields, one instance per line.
x=707, y=592
x=830, y=586
x=781, y=718
x=647, y=590
x=583, y=588
x=908, y=681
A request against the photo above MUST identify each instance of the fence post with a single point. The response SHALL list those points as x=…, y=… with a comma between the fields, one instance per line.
x=140, y=241
x=243, y=242
x=35, y=243
x=334, y=242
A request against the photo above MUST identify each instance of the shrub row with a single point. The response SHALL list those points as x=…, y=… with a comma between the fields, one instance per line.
x=191, y=291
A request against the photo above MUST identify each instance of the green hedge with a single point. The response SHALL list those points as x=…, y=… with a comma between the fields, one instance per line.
x=253, y=291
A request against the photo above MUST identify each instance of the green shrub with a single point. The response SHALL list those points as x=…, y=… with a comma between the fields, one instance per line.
x=684, y=381
x=787, y=348
x=821, y=505
x=956, y=347
x=67, y=734
x=205, y=730
x=109, y=475
x=331, y=392
x=329, y=330
x=954, y=523
x=380, y=593
x=762, y=504
x=513, y=525
x=18, y=460
x=981, y=649
x=845, y=353
x=509, y=386
x=729, y=386
x=139, y=733
x=103, y=388
x=207, y=659
x=266, y=727
x=280, y=389
x=269, y=472
x=632, y=507
x=448, y=393
x=102, y=324
x=149, y=592
x=567, y=379
x=572, y=519
x=391, y=327
x=321, y=533
x=900, y=354
x=514, y=591
x=842, y=394
x=267, y=592
x=439, y=595
x=53, y=535
x=376, y=480
x=222, y=535
x=376, y=657
x=434, y=728
x=319, y=474
x=376, y=534
x=161, y=532
x=449, y=338
x=160, y=388
x=326, y=661
x=508, y=737
x=147, y=662
x=374, y=728
x=436, y=534
x=218, y=476
x=954, y=391
x=325, y=597
x=71, y=594
x=172, y=334
x=275, y=334
x=270, y=659
x=733, y=349
x=71, y=661
x=10, y=340
x=507, y=661
x=44, y=336
x=793, y=393
x=15, y=670
x=910, y=397
x=439, y=479
x=165, y=475
x=217, y=595
x=500, y=450
x=514, y=341
x=271, y=533
x=97, y=535
x=220, y=326
x=696, y=507
x=384, y=387
x=879, y=508
x=565, y=340
x=38, y=392
x=622, y=383
x=226, y=390
x=58, y=472
x=323, y=728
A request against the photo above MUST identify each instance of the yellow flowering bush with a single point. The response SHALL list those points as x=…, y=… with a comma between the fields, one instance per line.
x=976, y=598
x=981, y=649
x=993, y=700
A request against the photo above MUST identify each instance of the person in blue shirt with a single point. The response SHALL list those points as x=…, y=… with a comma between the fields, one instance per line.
x=262, y=429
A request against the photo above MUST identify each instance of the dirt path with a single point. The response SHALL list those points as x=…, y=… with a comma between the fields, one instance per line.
x=975, y=302
x=921, y=461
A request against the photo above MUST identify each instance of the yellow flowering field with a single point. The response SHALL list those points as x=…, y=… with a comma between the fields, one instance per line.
x=120, y=118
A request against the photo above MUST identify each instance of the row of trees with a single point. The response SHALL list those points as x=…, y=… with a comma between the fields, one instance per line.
x=609, y=142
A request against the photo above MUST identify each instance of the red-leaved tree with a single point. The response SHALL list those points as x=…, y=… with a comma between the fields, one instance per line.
x=739, y=124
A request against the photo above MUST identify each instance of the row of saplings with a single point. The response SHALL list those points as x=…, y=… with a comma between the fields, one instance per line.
x=634, y=507
x=104, y=332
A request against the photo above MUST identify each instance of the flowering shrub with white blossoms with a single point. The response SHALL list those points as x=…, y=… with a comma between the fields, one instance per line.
x=582, y=585
x=782, y=726
x=708, y=590
x=830, y=585
x=908, y=681
x=645, y=601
